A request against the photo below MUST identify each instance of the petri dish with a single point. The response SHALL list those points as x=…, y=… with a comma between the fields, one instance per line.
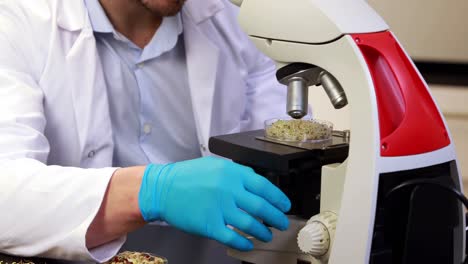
x=298, y=130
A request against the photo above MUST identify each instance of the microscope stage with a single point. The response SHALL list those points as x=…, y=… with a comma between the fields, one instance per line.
x=250, y=148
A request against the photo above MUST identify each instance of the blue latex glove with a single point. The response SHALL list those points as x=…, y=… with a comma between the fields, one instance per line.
x=204, y=195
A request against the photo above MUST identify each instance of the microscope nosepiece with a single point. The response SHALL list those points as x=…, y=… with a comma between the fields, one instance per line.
x=298, y=77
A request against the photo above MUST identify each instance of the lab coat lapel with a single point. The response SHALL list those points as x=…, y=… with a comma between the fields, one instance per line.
x=86, y=78
x=202, y=64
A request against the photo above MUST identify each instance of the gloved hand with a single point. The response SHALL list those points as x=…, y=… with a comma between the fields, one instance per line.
x=204, y=195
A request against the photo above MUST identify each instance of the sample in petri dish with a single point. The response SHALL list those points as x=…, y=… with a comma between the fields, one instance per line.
x=137, y=258
x=298, y=130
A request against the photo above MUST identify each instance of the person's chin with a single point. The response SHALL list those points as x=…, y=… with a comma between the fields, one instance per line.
x=164, y=8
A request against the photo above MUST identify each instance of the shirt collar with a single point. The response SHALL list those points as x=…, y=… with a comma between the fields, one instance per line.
x=165, y=39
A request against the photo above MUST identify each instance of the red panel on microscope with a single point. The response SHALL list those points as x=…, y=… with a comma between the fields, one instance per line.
x=410, y=123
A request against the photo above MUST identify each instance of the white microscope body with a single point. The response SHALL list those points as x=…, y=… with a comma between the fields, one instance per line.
x=333, y=35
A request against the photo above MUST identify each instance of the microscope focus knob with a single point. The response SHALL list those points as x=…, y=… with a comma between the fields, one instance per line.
x=316, y=237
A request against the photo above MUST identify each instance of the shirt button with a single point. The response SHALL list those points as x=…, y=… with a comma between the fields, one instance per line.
x=91, y=154
x=141, y=65
x=203, y=147
x=147, y=128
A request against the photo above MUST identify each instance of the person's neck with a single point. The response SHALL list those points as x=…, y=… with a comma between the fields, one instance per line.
x=132, y=19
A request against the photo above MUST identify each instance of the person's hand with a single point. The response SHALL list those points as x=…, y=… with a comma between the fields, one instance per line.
x=203, y=196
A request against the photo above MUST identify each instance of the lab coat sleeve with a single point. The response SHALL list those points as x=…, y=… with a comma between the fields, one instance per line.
x=45, y=210
x=265, y=96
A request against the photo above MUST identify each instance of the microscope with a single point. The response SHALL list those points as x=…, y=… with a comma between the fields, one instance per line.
x=362, y=197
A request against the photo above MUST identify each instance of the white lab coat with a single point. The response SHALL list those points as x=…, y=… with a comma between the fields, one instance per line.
x=55, y=132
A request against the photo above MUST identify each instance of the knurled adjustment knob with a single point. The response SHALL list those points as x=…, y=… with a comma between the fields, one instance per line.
x=316, y=237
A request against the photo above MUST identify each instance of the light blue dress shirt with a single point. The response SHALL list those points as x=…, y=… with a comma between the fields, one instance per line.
x=150, y=105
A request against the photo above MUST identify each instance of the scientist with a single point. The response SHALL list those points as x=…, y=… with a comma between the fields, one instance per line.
x=91, y=89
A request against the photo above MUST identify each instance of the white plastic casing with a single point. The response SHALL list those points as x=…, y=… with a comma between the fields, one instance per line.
x=315, y=32
x=321, y=20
